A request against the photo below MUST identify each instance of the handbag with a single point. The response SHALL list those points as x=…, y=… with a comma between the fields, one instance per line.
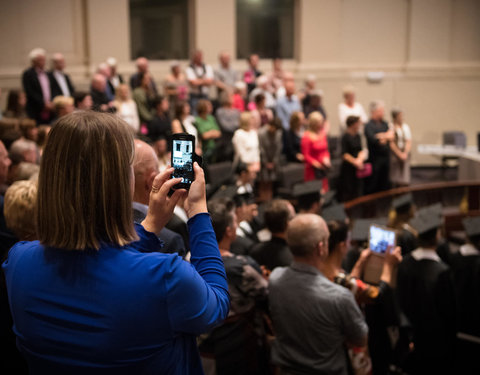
x=366, y=171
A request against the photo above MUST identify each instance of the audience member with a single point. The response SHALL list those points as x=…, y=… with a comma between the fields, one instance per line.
x=292, y=138
x=276, y=76
x=142, y=69
x=288, y=104
x=5, y=163
x=263, y=89
x=353, y=161
x=29, y=129
x=100, y=101
x=36, y=85
x=239, y=95
x=42, y=138
x=63, y=105
x=104, y=70
x=313, y=318
x=315, y=104
x=315, y=150
x=305, y=92
x=404, y=210
x=350, y=108
x=208, y=130
x=143, y=96
x=245, y=141
x=275, y=252
x=238, y=345
x=126, y=108
x=228, y=119
x=26, y=171
x=200, y=77
x=82, y=100
x=252, y=73
x=116, y=78
x=81, y=227
x=261, y=114
x=16, y=105
x=271, y=158
x=184, y=123
x=60, y=82
x=176, y=86
x=400, y=147
x=308, y=197
x=161, y=125
x=19, y=208
x=466, y=276
x=426, y=297
x=145, y=169
x=378, y=138
x=225, y=75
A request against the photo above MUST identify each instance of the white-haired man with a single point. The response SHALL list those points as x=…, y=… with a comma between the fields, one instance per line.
x=37, y=88
x=142, y=68
x=60, y=82
x=313, y=317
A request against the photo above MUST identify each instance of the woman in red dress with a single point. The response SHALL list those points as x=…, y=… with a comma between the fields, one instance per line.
x=315, y=150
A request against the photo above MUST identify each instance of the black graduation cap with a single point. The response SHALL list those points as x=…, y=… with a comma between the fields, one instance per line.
x=329, y=198
x=472, y=226
x=427, y=218
x=335, y=212
x=361, y=228
x=225, y=191
x=402, y=201
x=309, y=188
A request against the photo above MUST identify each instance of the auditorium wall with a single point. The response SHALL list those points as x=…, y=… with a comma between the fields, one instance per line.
x=427, y=50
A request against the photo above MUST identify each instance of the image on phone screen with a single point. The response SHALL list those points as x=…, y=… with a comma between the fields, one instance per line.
x=381, y=239
x=182, y=160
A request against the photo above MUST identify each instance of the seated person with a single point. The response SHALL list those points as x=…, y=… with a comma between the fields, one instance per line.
x=208, y=130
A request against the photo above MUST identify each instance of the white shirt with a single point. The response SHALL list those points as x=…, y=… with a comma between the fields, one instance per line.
x=246, y=146
x=191, y=129
x=421, y=253
x=128, y=112
x=403, y=134
x=269, y=99
x=196, y=73
x=62, y=82
x=468, y=249
x=344, y=111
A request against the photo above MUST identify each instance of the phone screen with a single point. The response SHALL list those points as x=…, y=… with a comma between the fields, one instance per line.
x=182, y=160
x=381, y=239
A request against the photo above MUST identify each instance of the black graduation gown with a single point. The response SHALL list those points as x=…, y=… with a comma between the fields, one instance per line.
x=426, y=297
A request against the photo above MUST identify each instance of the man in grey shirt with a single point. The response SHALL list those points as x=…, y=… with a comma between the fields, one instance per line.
x=313, y=318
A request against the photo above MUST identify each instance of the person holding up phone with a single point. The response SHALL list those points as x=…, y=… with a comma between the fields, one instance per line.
x=93, y=295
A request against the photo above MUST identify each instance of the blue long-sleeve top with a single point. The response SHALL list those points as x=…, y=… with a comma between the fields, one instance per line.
x=118, y=310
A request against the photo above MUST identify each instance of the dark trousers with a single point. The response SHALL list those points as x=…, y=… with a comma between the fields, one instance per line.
x=380, y=178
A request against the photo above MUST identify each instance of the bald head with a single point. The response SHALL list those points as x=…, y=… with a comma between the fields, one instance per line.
x=305, y=233
x=142, y=64
x=145, y=168
x=99, y=82
x=58, y=61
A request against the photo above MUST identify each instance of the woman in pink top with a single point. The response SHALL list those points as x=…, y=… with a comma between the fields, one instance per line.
x=315, y=150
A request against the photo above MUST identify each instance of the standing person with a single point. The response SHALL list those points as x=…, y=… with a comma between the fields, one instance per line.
x=378, y=137
x=245, y=142
x=276, y=76
x=184, y=123
x=305, y=93
x=313, y=318
x=116, y=78
x=261, y=113
x=175, y=86
x=16, y=105
x=400, y=147
x=104, y=70
x=126, y=108
x=228, y=119
x=353, y=160
x=225, y=75
x=93, y=295
x=239, y=95
x=60, y=81
x=100, y=101
x=82, y=100
x=143, y=96
x=288, y=104
x=252, y=73
x=142, y=69
x=315, y=151
x=350, y=108
x=161, y=125
x=270, y=142
x=426, y=297
x=292, y=138
x=200, y=77
x=36, y=85
x=262, y=88
x=208, y=130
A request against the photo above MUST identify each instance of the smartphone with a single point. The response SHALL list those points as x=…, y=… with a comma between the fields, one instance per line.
x=183, y=147
x=381, y=238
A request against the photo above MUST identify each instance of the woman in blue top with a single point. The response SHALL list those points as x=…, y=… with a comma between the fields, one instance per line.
x=94, y=295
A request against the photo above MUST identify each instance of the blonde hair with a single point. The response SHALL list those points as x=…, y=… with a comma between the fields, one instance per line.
x=84, y=186
x=61, y=102
x=314, y=118
x=245, y=120
x=19, y=209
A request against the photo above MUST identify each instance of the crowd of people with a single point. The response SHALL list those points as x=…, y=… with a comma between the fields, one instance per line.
x=110, y=270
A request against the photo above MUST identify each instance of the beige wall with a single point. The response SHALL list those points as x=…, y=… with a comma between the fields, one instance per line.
x=429, y=50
